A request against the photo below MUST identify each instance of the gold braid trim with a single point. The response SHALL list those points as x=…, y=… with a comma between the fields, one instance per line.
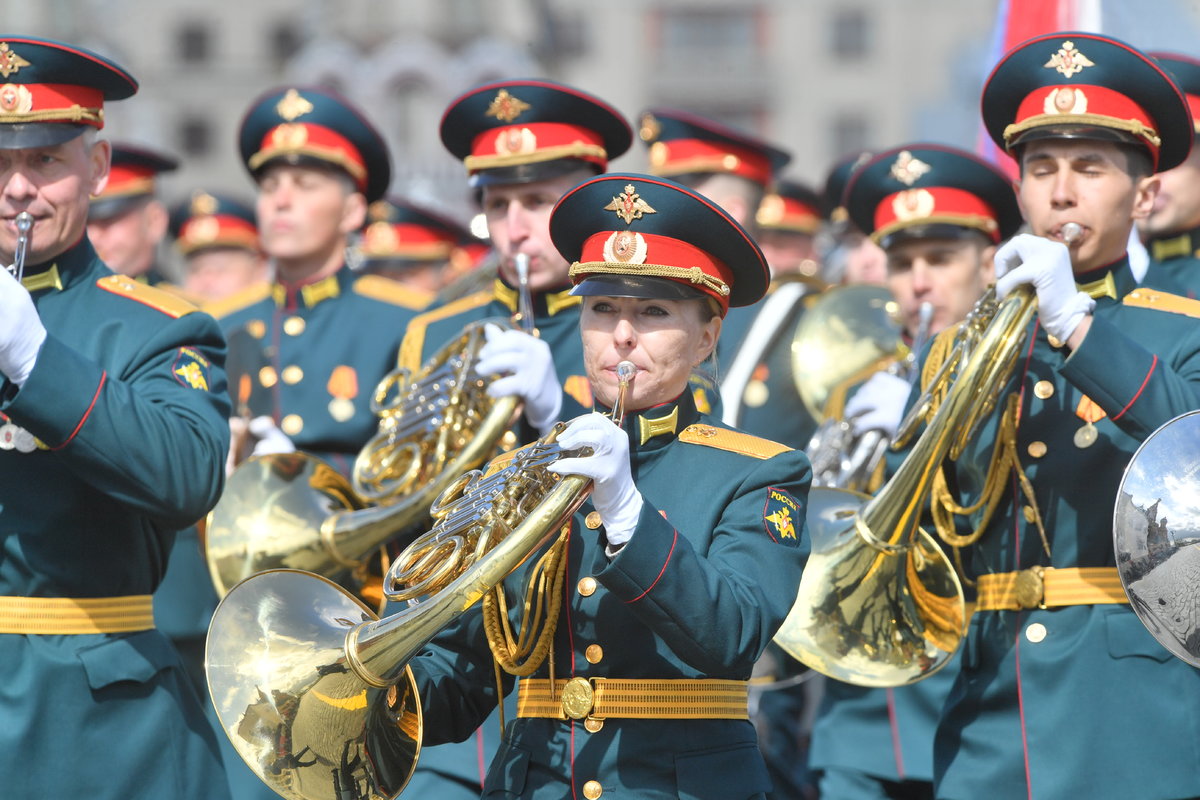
x=1134, y=126
x=693, y=274
x=977, y=222
x=522, y=654
x=75, y=113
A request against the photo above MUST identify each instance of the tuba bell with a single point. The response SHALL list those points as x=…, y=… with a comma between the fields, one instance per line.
x=294, y=511
x=314, y=691
x=879, y=603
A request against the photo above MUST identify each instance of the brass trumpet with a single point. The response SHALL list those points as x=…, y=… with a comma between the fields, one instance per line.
x=24, y=226
x=315, y=692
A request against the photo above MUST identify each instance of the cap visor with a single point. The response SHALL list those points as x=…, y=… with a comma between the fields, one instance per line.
x=38, y=134
x=640, y=286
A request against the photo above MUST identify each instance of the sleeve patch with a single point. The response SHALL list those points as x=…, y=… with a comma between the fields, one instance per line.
x=191, y=369
x=781, y=513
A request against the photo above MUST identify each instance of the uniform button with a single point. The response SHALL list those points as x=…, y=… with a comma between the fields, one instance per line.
x=594, y=653
x=1035, y=632
x=292, y=374
x=587, y=586
x=1044, y=389
x=592, y=790
x=592, y=520
x=1037, y=449
x=267, y=377
x=293, y=326
x=256, y=328
x=1030, y=516
x=292, y=424
x=593, y=725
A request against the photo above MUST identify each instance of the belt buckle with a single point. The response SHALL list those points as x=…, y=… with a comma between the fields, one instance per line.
x=1030, y=588
x=578, y=698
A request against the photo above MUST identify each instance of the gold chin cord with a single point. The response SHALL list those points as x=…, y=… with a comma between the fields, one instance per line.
x=24, y=224
x=879, y=603
x=315, y=692
x=294, y=511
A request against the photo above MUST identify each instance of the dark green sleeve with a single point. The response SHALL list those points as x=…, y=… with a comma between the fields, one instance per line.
x=717, y=610
x=137, y=430
x=1138, y=389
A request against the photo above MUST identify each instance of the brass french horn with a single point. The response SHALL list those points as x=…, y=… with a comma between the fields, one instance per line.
x=294, y=511
x=879, y=603
x=315, y=692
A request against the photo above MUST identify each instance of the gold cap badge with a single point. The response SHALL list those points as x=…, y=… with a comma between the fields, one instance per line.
x=292, y=106
x=629, y=205
x=650, y=128
x=1068, y=60
x=505, y=107
x=203, y=204
x=10, y=62
x=908, y=169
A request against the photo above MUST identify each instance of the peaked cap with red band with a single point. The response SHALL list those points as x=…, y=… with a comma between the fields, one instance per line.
x=398, y=229
x=1186, y=72
x=833, y=206
x=210, y=220
x=683, y=144
x=50, y=92
x=1087, y=86
x=522, y=131
x=792, y=207
x=630, y=235
x=131, y=179
x=310, y=125
x=931, y=191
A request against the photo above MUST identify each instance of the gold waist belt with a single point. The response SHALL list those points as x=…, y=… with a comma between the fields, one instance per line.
x=619, y=698
x=1048, y=587
x=69, y=615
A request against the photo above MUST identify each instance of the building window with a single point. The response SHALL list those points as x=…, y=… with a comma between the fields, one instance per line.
x=195, y=43
x=851, y=34
x=195, y=136
x=848, y=134
x=710, y=31
x=286, y=41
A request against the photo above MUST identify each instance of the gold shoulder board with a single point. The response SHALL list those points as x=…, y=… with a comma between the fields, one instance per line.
x=733, y=441
x=378, y=287
x=238, y=300
x=1162, y=301
x=414, y=336
x=169, y=304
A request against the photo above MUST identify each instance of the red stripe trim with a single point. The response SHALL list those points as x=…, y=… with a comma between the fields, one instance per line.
x=479, y=754
x=86, y=414
x=1141, y=388
x=660, y=572
x=894, y=723
x=1021, y=714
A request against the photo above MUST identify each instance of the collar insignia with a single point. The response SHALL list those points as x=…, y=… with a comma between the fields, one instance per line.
x=649, y=428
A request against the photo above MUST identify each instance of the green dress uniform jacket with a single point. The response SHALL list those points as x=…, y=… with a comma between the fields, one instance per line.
x=1076, y=701
x=1178, y=259
x=326, y=346
x=118, y=439
x=699, y=590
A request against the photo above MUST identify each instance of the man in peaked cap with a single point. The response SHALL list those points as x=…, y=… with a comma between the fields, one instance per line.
x=328, y=335
x=114, y=431
x=939, y=213
x=524, y=144
x=1089, y=120
x=1171, y=230
x=852, y=257
x=127, y=221
x=217, y=236
x=409, y=244
x=683, y=561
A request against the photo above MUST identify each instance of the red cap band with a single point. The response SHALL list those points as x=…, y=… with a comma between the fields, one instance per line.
x=656, y=256
x=538, y=141
x=932, y=205
x=1084, y=105
x=316, y=141
x=681, y=156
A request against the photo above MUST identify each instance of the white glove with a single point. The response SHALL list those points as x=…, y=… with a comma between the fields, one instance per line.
x=1047, y=265
x=531, y=375
x=613, y=494
x=270, y=438
x=878, y=405
x=21, y=330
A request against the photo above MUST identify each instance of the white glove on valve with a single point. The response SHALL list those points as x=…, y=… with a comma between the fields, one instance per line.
x=531, y=375
x=270, y=438
x=21, y=330
x=1047, y=265
x=613, y=494
x=878, y=405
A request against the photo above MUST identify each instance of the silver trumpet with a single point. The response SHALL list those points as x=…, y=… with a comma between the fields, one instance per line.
x=24, y=226
x=524, y=293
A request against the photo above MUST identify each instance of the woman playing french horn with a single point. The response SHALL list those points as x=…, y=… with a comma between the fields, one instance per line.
x=680, y=568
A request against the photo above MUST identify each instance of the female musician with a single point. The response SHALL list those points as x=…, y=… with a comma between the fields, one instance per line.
x=685, y=561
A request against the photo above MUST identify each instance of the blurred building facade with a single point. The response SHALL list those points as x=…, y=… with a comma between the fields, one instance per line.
x=822, y=78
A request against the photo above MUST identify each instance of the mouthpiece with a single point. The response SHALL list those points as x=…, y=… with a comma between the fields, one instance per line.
x=24, y=222
x=1071, y=231
x=625, y=371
